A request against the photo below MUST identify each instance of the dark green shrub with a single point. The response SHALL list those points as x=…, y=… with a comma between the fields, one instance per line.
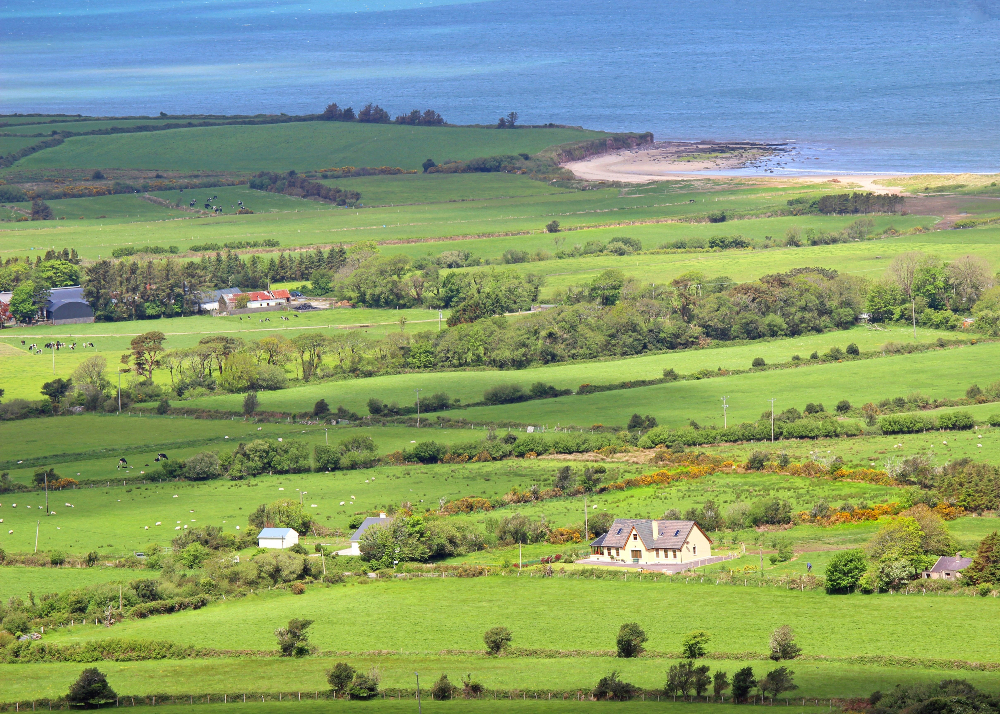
x=814, y=355
x=630, y=640
x=843, y=406
x=364, y=686
x=757, y=460
x=852, y=350
x=443, y=689
x=427, y=452
x=340, y=678
x=327, y=457
x=90, y=690
x=973, y=391
x=813, y=408
x=504, y=394
x=612, y=688
x=695, y=644
x=758, y=362
x=670, y=375
x=743, y=684
x=497, y=639
x=956, y=420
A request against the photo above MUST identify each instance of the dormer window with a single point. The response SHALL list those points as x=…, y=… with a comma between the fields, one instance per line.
x=676, y=533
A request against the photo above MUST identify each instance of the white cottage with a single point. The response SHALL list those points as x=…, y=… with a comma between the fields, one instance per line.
x=277, y=538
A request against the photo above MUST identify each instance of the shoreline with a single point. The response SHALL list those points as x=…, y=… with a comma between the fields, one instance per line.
x=676, y=160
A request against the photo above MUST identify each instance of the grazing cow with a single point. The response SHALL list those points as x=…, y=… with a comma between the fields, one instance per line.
x=22, y=342
x=159, y=457
x=122, y=463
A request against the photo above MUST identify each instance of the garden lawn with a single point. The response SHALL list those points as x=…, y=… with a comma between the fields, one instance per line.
x=427, y=615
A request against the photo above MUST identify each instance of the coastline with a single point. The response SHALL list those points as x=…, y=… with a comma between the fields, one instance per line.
x=675, y=160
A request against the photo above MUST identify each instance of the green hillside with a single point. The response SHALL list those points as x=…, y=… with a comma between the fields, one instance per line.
x=305, y=145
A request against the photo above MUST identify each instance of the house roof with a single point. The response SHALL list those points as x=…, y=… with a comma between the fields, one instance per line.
x=260, y=295
x=61, y=296
x=600, y=539
x=281, y=294
x=214, y=295
x=276, y=533
x=670, y=534
x=951, y=563
x=366, y=524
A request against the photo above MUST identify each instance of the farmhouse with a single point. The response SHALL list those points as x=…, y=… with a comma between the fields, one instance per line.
x=355, y=548
x=650, y=542
x=66, y=306
x=948, y=567
x=209, y=300
x=277, y=538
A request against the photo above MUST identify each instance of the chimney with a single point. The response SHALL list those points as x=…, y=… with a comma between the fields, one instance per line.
x=656, y=530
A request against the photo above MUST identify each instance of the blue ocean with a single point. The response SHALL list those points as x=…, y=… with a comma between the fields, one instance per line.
x=858, y=85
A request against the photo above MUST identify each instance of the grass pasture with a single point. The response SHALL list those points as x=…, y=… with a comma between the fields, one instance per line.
x=675, y=403
x=301, y=145
x=434, y=614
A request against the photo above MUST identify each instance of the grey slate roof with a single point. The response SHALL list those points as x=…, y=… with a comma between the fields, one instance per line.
x=209, y=296
x=61, y=296
x=366, y=524
x=600, y=539
x=670, y=534
x=951, y=564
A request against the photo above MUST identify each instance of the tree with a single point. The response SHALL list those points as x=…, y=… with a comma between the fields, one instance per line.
x=427, y=165
x=631, y=638
x=897, y=539
x=700, y=679
x=365, y=686
x=292, y=640
x=613, y=688
x=985, y=567
x=758, y=362
x=845, y=570
x=497, y=639
x=852, y=350
x=606, y=288
x=57, y=389
x=783, y=644
x=443, y=689
x=163, y=407
x=843, y=406
x=310, y=348
x=250, y=403
x=511, y=120
x=89, y=375
x=777, y=681
x=743, y=683
x=552, y=227
x=90, y=690
x=694, y=644
x=283, y=513
x=203, y=466
x=970, y=276
x=22, y=302
x=340, y=678
x=145, y=354
x=720, y=683
x=41, y=211
x=320, y=408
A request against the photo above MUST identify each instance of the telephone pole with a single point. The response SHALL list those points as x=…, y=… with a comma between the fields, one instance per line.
x=725, y=422
x=418, y=406
x=772, y=418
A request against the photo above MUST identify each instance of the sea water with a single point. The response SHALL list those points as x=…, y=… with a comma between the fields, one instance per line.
x=859, y=85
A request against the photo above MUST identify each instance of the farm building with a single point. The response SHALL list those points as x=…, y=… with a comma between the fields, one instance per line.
x=255, y=300
x=277, y=538
x=948, y=567
x=355, y=548
x=209, y=300
x=66, y=306
x=281, y=295
x=643, y=541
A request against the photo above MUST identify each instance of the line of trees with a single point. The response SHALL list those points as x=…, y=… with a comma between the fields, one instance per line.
x=374, y=114
x=294, y=184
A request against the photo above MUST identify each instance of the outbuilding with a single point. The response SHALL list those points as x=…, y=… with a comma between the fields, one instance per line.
x=948, y=567
x=209, y=300
x=355, y=548
x=66, y=306
x=277, y=538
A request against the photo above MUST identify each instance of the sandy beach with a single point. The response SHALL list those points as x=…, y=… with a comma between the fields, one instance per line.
x=664, y=161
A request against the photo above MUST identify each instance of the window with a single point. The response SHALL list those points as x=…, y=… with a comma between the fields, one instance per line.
x=618, y=551
x=657, y=552
x=694, y=550
x=635, y=536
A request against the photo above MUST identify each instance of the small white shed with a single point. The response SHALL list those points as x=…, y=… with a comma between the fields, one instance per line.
x=277, y=538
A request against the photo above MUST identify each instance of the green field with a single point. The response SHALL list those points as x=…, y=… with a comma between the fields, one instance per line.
x=10, y=144
x=302, y=145
x=936, y=374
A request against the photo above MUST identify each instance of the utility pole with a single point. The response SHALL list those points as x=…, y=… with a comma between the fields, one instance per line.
x=440, y=315
x=419, y=708
x=418, y=406
x=326, y=435
x=46, y=493
x=54, y=357
x=772, y=419
x=725, y=422
x=586, y=528
x=36, y=535
x=913, y=313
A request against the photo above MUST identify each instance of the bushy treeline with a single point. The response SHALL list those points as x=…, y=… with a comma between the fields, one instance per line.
x=849, y=203
x=30, y=282
x=374, y=114
x=294, y=184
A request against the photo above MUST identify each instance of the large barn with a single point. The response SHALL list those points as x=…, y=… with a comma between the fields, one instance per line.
x=66, y=306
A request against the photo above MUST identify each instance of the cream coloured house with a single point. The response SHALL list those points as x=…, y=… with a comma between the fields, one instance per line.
x=648, y=542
